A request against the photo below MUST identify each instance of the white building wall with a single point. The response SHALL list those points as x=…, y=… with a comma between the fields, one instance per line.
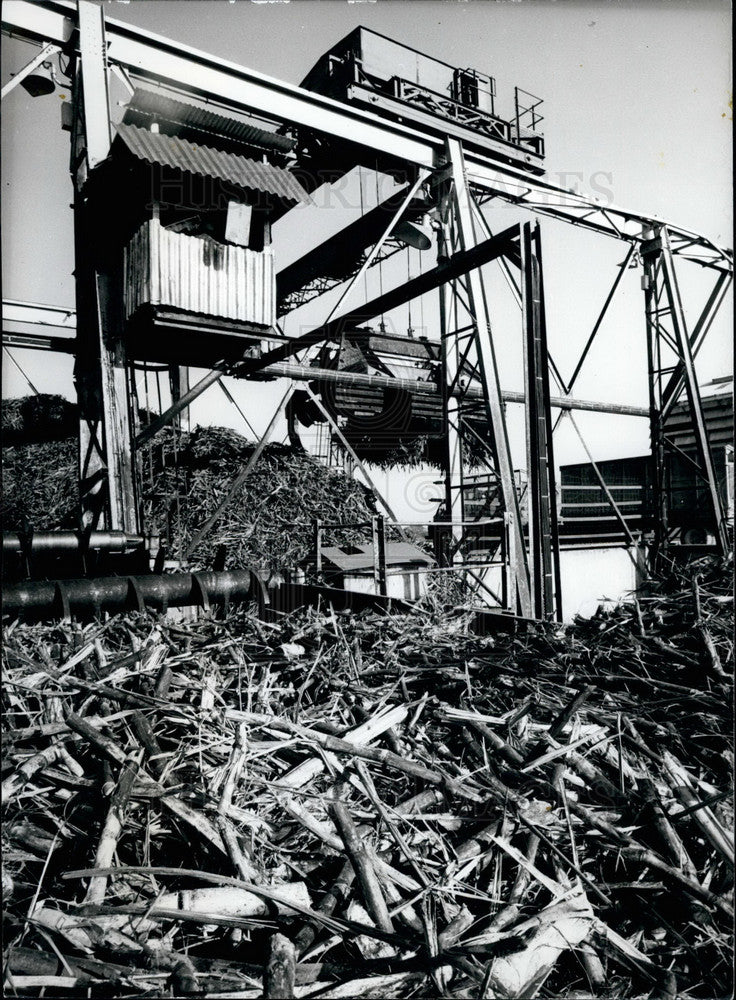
x=593, y=576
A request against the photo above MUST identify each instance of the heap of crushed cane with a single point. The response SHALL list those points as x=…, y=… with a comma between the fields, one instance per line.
x=376, y=805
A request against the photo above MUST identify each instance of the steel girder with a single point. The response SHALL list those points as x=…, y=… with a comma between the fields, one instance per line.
x=542, y=532
x=107, y=475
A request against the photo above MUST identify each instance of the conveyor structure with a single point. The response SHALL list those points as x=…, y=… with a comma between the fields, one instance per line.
x=194, y=279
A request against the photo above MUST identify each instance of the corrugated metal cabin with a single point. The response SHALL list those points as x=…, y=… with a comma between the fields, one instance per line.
x=197, y=192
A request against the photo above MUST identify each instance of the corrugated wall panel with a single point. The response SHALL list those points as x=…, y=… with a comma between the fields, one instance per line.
x=200, y=276
x=718, y=415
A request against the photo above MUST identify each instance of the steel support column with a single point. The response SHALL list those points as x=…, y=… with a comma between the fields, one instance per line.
x=475, y=358
x=544, y=554
x=670, y=355
x=107, y=471
x=454, y=508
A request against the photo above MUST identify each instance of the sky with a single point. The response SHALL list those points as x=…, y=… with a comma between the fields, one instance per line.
x=637, y=109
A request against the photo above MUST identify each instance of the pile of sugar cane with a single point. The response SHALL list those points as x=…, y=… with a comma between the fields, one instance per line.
x=266, y=522
x=185, y=477
x=330, y=805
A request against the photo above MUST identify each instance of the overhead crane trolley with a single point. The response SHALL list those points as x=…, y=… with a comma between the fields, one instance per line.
x=375, y=72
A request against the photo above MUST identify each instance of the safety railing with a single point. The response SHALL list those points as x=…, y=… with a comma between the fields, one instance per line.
x=527, y=119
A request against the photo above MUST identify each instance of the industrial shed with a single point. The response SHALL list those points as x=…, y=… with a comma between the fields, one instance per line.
x=352, y=567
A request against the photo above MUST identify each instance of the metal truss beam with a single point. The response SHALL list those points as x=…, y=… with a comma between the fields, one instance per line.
x=676, y=383
x=349, y=131
x=191, y=71
x=543, y=198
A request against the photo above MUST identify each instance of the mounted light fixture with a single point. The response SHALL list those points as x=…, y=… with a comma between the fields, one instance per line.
x=41, y=81
x=417, y=234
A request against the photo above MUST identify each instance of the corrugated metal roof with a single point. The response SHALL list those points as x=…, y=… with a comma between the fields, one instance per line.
x=250, y=175
x=717, y=402
x=397, y=554
x=152, y=105
x=721, y=386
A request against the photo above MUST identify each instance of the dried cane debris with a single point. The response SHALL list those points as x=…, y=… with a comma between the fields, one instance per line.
x=373, y=806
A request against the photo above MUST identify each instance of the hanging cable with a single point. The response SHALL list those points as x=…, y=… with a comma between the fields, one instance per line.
x=409, y=329
x=362, y=212
x=231, y=398
x=421, y=303
x=382, y=326
x=17, y=365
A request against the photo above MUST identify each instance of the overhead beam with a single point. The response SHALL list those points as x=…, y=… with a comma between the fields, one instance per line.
x=208, y=76
x=40, y=342
x=16, y=311
x=240, y=89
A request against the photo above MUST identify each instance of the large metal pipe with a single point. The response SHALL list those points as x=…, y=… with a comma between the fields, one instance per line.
x=291, y=369
x=84, y=598
x=51, y=542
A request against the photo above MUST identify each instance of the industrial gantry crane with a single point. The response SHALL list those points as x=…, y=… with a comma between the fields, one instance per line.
x=178, y=267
